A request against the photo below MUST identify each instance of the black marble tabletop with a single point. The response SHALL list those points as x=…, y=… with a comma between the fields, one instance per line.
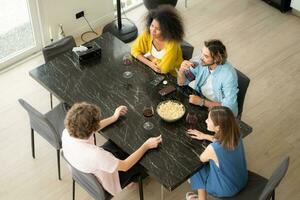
x=101, y=82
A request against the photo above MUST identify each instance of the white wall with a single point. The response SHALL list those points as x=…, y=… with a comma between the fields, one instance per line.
x=295, y=4
x=54, y=12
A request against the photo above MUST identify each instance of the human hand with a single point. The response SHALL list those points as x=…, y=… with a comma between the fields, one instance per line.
x=195, y=134
x=194, y=99
x=120, y=111
x=185, y=65
x=152, y=142
x=154, y=66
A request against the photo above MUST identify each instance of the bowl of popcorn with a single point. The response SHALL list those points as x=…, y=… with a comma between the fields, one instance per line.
x=170, y=110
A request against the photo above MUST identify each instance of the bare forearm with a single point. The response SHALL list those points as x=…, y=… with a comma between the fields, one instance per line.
x=107, y=121
x=209, y=137
x=180, y=78
x=131, y=160
x=144, y=60
x=210, y=104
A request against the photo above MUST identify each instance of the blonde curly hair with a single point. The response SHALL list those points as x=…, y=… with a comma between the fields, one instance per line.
x=82, y=120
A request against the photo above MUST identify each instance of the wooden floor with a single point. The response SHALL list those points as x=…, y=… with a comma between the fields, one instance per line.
x=262, y=42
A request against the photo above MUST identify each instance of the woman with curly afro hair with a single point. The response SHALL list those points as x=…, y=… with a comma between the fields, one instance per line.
x=159, y=45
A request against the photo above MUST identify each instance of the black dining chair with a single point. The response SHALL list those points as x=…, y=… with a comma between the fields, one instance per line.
x=258, y=187
x=49, y=126
x=187, y=50
x=243, y=83
x=153, y=4
x=90, y=183
x=56, y=48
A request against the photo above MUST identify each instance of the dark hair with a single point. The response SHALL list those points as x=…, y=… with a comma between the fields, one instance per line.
x=82, y=120
x=217, y=51
x=170, y=22
x=229, y=133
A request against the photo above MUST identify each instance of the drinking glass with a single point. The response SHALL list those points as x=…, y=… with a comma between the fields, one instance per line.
x=148, y=112
x=127, y=60
x=189, y=75
x=195, y=63
x=148, y=125
x=191, y=120
x=127, y=74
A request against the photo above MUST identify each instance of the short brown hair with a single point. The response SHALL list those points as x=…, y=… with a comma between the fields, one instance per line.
x=82, y=120
x=217, y=50
x=229, y=133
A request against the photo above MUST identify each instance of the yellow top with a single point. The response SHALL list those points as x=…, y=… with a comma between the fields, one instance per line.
x=173, y=54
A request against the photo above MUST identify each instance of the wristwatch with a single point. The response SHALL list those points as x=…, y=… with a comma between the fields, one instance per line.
x=202, y=102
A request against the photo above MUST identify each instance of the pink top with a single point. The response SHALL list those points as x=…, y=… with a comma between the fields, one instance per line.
x=89, y=158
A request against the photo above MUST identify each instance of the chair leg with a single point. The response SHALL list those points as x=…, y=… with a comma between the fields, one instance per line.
x=273, y=195
x=32, y=143
x=73, y=190
x=58, y=163
x=141, y=188
x=95, y=139
x=51, y=102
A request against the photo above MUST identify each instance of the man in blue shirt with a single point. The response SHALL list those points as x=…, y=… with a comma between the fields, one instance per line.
x=212, y=76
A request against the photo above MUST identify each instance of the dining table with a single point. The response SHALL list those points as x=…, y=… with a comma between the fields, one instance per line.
x=114, y=78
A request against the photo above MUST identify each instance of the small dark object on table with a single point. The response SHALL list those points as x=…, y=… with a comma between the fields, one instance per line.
x=93, y=52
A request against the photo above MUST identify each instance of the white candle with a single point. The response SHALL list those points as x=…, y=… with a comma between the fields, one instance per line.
x=50, y=33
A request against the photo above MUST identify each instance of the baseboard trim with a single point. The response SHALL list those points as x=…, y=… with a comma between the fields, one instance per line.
x=296, y=12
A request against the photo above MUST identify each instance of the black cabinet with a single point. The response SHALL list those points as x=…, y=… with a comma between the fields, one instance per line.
x=282, y=5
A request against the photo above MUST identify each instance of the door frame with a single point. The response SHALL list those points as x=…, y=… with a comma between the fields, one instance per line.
x=34, y=19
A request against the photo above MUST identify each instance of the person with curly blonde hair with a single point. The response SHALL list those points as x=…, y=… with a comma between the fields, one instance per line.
x=113, y=168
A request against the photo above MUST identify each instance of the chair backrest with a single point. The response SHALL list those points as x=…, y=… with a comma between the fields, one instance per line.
x=187, y=50
x=243, y=83
x=275, y=179
x=42, y=125
x=152, y=4
x=58, y=47
x=88, y=182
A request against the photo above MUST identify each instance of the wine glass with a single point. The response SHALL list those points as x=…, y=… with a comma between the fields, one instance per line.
x=148, y=111
x=148, y=125
x=127, y=74
x=191, y=120
x=189, y=75
x=195, y=63
x=127, y=60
